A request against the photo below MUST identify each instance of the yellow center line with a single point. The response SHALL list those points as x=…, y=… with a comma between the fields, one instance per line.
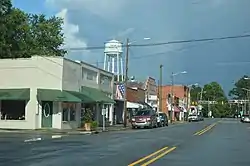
x=198, y=132
x=205, y=129
x=159, y=156
x=147, y=157
x=209, y=128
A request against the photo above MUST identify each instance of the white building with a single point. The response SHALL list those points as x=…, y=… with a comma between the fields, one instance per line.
x=48, y=92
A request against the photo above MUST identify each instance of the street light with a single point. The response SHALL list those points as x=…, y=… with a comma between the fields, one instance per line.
x=196, y=84
x=246, y=78
x=183, y=72
x=126, y=79
x=172, y=91
x=145, y=38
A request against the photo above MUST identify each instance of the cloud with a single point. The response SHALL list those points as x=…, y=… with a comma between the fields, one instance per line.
x=71, y=32
x=103, y=8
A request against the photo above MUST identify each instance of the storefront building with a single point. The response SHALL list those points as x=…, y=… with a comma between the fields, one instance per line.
x=51, y=92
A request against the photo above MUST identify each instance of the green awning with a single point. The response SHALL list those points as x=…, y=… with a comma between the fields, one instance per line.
x=56, y=95
x=15, y=94
x=82, y=96
x=96, y=95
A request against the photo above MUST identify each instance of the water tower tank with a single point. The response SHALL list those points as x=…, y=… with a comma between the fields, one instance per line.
x=113, y=47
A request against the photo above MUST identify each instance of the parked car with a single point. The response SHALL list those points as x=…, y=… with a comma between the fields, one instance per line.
x=144, y=118
x=245, y=119
x=193, y=118
x=162, y=119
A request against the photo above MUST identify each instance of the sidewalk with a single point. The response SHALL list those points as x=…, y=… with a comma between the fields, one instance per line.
x=65, y=131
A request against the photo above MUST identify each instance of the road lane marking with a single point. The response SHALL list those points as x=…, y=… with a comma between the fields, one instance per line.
x=147, y=157
x=56, y=136
x=159, y=156
x=209, y=128
x=33, y=140
x=198, y=132
x=205, y=129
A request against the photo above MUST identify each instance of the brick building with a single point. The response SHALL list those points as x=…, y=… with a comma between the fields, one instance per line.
x=181, y=99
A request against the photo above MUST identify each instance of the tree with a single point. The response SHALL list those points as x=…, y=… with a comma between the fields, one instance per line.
x=238, y=91
x=194, y=93
x=5, y=8
x=24, y=35
x=214, y=92
x=17, y=35
x=47, y=35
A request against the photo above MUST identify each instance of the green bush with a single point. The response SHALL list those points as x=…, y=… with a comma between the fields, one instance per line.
x=94, y=124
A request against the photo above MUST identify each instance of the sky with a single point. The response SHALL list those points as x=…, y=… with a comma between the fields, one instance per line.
x=90, y=23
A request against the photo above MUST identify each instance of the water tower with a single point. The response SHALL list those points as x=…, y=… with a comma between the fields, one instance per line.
x=113, y=61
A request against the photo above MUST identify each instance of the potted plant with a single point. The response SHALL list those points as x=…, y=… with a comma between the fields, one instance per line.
x=87, y=119
x=94, y=125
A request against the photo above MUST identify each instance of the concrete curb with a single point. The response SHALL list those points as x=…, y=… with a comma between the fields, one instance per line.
x=61, y=132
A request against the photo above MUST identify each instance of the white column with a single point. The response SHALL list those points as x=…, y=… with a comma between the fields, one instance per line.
x=118, y=67
x=113, y=65
x=0, y=110
x=121, y=68
x=105, y=61
x=111, y=113
x=108, y=58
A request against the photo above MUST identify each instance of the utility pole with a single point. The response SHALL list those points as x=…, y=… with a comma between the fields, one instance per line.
x=160, y=90
x=208, y=106
x=248, y=98
x=125, y=85
x=172, y=96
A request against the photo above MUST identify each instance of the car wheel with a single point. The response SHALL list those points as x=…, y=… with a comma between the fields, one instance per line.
x=167, y=124
x=133, y=127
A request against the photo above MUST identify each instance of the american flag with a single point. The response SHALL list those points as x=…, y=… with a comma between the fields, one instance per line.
x=120, y=90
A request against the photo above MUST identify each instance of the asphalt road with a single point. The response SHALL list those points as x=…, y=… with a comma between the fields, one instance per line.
x=216, y=142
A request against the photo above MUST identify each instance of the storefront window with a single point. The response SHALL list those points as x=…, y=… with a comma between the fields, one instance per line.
x=72, y=114
x=69, y=112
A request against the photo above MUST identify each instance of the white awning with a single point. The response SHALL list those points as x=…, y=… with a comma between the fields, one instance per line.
x=133, y=105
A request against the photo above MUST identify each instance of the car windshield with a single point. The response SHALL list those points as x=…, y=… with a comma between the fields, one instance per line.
x=161, y=114
x=143, y=112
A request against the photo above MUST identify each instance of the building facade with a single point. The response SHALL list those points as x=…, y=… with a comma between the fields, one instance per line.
x=51, y=92
x=181, y=99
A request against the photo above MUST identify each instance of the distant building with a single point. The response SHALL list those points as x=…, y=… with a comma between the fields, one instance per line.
x=181, y=96
x=150, y=87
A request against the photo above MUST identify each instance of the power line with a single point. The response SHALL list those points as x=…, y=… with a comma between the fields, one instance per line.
x=165, y=43
x=154, y=54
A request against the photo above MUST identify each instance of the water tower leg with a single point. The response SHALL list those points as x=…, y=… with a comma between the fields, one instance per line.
x=105, y=61
x=122, y=68
x=108, y=57
x=113, y=65
x=118, y=67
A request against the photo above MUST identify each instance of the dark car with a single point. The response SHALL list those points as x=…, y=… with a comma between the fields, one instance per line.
x=144, y=118
x=162, y=119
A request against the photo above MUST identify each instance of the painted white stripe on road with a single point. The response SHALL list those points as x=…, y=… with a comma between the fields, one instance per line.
x=33, y=140
x=56, y=136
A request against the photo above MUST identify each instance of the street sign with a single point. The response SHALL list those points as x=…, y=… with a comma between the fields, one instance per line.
x=104, y=111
